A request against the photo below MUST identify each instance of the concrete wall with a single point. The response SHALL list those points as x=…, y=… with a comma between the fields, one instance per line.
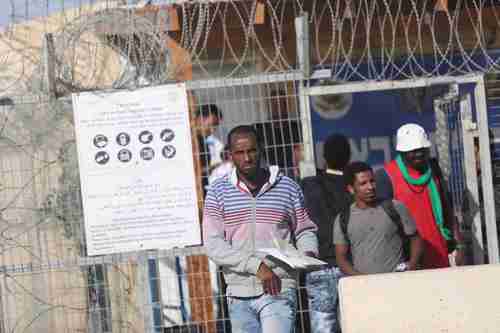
x=453, y=300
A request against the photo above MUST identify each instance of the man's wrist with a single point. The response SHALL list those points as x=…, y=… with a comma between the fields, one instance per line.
x=311, y=254
x=412, y=265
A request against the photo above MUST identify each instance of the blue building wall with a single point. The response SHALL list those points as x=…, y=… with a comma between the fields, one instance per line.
x=374, y=117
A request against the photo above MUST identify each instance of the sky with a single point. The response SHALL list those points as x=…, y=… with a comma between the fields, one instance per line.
x=20, y=10
x=15, y=11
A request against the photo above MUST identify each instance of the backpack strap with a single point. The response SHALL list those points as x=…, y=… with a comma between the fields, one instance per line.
x=390, y=210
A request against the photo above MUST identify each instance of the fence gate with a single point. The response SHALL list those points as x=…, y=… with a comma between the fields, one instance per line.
x=464, y=151
x=456, y=140
x=48, y=284
x=461, y=120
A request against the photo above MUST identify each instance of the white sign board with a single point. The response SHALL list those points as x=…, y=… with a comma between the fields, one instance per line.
x=136, y=169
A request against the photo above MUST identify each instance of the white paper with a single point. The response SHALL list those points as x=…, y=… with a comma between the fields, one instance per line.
x=292, y=258
x=136, y=169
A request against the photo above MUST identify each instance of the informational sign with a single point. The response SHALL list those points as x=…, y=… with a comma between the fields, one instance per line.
x=136, y=169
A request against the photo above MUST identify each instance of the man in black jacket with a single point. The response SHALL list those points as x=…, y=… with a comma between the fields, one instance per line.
x=325, y=196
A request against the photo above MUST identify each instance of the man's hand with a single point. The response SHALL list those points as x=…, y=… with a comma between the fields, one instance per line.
x=416, y=252
x=460, y=247
x=411, y=266
x=459, y=257
x=270, y=281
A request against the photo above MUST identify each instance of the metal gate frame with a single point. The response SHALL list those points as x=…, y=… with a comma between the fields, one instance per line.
x=469, y=134
x=482, y=122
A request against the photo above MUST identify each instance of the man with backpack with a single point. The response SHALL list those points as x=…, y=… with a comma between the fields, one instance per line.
x=416, y=180
x=325, y=196
x=373, y=236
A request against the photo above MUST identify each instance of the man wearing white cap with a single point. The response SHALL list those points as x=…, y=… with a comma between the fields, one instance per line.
x=415, y=179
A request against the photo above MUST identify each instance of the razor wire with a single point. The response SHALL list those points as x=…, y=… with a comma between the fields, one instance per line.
x=103, y=44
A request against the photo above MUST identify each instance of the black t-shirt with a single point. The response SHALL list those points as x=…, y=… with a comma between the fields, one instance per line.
x=325, y=196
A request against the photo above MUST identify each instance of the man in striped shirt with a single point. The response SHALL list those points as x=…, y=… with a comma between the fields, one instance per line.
x=252, y=208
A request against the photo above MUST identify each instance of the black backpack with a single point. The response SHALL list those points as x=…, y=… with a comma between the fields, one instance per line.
x=393, y=214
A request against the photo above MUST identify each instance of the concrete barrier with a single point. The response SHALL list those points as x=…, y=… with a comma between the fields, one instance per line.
x=452, y=300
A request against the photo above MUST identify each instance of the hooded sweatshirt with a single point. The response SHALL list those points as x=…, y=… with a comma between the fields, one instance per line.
x=236, y=224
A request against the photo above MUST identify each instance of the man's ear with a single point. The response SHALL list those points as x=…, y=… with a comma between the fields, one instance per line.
x=350, y=189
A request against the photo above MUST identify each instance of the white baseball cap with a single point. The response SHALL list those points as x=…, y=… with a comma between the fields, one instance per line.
x=410, y=137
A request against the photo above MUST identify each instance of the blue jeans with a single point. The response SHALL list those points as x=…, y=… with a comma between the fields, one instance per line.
x=323, y=299
x=263, y=314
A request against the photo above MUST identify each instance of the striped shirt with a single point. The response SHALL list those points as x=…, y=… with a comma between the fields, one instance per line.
x=236, y=224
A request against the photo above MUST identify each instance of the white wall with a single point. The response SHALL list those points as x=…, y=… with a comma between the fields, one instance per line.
x=454, y=300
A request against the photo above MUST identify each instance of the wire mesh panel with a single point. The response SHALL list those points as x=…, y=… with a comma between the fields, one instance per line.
x=45, y=284
x=272, y=108
x=451, y=155
x=455, y=130
x=449, y=146
x=118, y=295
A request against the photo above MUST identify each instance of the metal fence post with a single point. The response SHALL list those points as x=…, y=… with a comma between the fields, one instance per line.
x=144, y=291
x=307, y=164
x=486, y=173
x=472, y=193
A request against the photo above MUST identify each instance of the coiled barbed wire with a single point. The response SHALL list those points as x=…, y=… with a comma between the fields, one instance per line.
x=358, y=39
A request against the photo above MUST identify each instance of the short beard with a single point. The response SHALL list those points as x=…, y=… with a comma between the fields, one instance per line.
x=251, y=176
x=420, y=167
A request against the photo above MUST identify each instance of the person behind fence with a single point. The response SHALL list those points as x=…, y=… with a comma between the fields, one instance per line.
x=207, y=118
x=251, y=208
x=224, y=168
x=325, y=196
x=373, y=236
x=416, y=180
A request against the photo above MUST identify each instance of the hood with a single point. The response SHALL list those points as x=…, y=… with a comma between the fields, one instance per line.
x=274, y=176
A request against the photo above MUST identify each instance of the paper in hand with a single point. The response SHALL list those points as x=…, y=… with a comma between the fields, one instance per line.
x=292, y=257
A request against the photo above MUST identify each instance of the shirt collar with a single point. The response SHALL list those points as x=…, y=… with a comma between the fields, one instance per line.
x=334, y=172
x=274, y=175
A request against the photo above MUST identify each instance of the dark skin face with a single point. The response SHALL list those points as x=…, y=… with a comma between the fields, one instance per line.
x=417, y=159
x=363, y=189
x=207, y=125
x=245, y=154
